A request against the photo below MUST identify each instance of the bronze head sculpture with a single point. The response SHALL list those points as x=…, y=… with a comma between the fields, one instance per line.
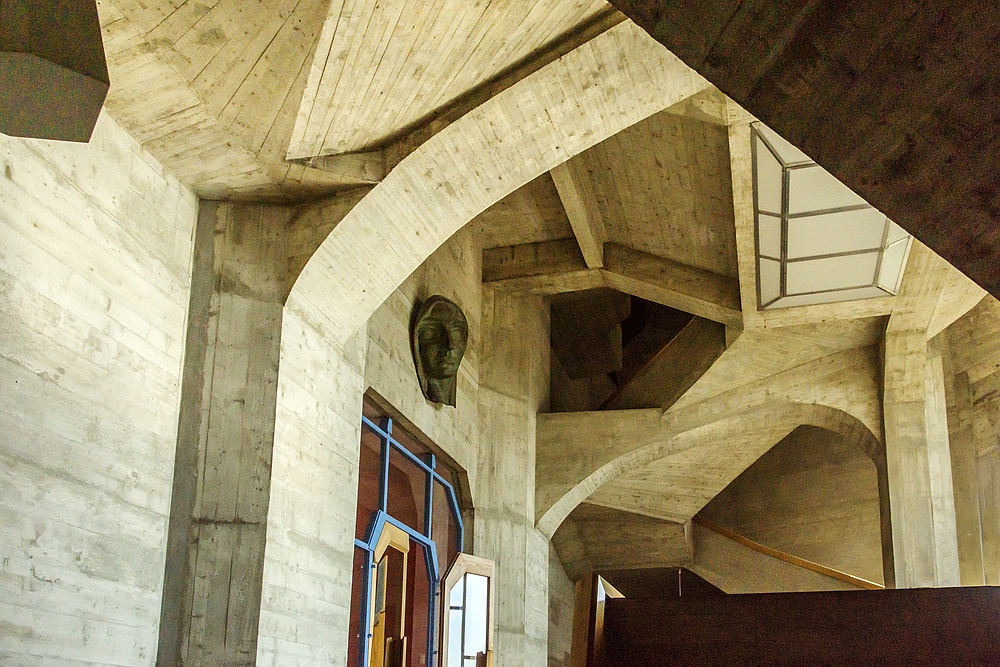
x=439, y=334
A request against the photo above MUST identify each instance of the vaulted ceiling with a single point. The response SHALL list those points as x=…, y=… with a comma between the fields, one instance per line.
x=897, y=99
x=294, y=99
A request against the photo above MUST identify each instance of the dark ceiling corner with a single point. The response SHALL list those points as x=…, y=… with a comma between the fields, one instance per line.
x=53, y=73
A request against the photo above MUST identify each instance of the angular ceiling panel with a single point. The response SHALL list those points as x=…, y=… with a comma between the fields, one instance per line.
x=382, y=65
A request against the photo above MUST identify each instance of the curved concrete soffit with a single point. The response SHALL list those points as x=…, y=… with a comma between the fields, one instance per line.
x=783, y=419
x=606, y=85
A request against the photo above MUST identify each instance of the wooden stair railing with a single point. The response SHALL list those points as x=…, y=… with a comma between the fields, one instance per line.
x=788, y=558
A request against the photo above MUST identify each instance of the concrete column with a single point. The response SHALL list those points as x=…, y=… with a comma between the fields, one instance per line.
x=513, y=387
x=918, y=459
x=962, y=444
x=222, y=473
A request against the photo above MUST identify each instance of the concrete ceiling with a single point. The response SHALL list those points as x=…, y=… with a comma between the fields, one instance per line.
x=223, y=92
x=663, y=186
x=897, y=99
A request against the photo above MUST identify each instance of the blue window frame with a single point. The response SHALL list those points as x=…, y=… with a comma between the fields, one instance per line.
x=437, y=489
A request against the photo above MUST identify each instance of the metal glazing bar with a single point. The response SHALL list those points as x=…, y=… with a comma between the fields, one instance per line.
x=411, y=456
x=383, y=486
x=846, y=253
x=785, y=194
x=829, y=211
x=429, y=501
x=845, y=289
x=773, y=150
x=756, y=210
x=415, y=535
x=453, y=500
x=365, y=635
x=431, y=606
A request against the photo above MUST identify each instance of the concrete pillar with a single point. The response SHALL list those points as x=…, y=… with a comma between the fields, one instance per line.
x=962, y=444
x=513, y=387
x=918, y=461
x=222, y=473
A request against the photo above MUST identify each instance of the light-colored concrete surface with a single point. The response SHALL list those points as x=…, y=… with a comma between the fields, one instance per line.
x=95, y=265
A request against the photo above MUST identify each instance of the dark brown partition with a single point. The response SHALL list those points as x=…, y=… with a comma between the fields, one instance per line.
x=941, y=626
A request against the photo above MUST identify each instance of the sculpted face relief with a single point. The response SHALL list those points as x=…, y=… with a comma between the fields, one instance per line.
x=439, y=335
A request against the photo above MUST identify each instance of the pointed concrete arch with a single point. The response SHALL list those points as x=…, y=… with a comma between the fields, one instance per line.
x=593, y=92
x=740, y=437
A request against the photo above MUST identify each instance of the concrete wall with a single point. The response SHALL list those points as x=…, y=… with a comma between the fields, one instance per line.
x=562, y=597
x=813, y=495
x=95, y=262
x=972, y=386
x=305, y=606
x=734, y=568
x=514, y=387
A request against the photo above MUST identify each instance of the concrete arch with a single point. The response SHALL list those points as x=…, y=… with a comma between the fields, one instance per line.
x=748, y=433
x=595, y=91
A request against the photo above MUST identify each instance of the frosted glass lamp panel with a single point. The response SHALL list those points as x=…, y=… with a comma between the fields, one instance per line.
x=892, y=265
x=477, y=600
x=769, y=180
x=896, y=233
x=831, y=273
x=815, y=189
x=831, y=297
x=788, y=153
x=770, y=280
x=769, y=236
x=834, y=233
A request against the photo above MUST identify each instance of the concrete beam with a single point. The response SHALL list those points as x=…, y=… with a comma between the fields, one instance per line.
x=576, y=192
x=555, y=267
x=679, y=286
x=367, y=167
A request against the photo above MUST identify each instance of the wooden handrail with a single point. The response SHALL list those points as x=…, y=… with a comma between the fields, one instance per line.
x=788, y=558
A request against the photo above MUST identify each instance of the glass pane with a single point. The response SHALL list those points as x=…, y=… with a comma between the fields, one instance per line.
x=770, y=280
x=418, y=596
x=896, y=233
x=457, y=591
x=444, y=530
x=369, y=469
x=358, y=593
x=831, y=297
x=892, y=265
x=769, y=235
x=476, y=613
x=407, y=490
x=815, y=189
x=769, y=180
x=835, y=232
x=787, y=152
x=413, y=445
x=832, y=273
x=455, y=637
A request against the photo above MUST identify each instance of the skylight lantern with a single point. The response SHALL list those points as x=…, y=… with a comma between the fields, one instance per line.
x=817, y=241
